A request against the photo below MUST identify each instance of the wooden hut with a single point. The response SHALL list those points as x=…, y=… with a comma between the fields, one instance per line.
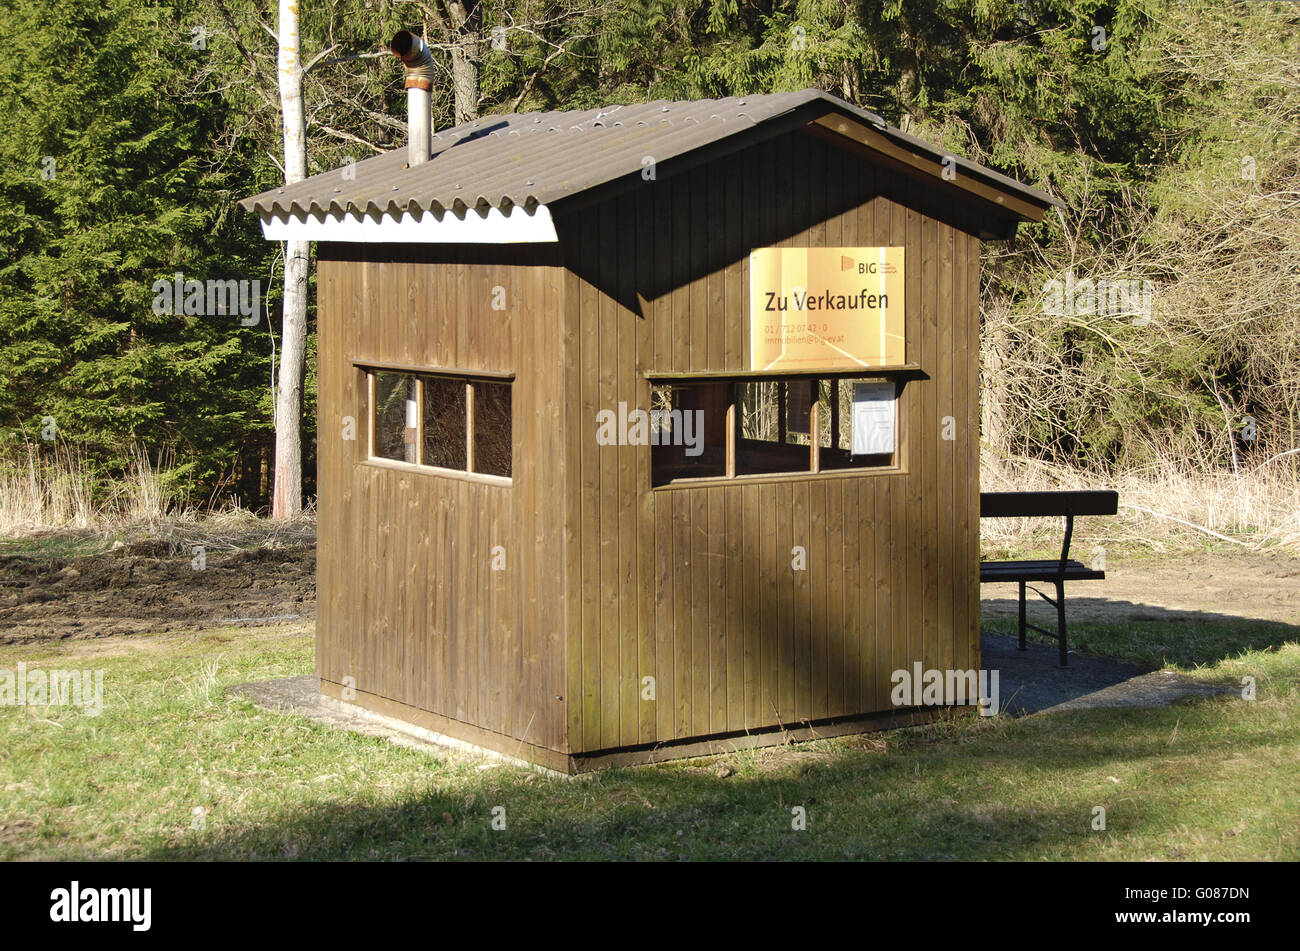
x=648, y=430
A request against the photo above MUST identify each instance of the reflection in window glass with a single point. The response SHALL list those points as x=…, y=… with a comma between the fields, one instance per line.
x=828, y=412
x=759, y=407
x=444, y=423
x=798, y=409
x=762, y=447
x=395, y=416
x=492, y=428
x=773, y=428
x=692, y=431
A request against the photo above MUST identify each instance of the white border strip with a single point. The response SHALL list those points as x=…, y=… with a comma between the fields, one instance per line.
x=518, y=227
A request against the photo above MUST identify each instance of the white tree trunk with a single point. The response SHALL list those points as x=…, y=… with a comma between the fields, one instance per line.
x=287, y=499
x=287, y=493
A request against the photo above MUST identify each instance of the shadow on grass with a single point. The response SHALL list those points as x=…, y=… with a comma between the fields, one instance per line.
x=974, y=790
x=1143, y=634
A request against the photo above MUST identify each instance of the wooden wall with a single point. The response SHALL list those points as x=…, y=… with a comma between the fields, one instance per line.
x=408, y=603
x=694, y=586
x=608, y=580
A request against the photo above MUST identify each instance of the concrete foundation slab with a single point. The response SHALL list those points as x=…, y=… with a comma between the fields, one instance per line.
x=1030, y=682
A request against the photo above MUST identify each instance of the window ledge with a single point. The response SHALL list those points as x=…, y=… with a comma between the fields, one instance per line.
x=741, y=376
x=763, y=477
x=481, y=477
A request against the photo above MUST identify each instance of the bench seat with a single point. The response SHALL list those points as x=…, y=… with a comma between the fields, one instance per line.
x=1050, y=570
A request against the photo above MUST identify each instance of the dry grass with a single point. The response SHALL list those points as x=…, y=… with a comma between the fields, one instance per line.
x=51, y=495
x=1165, y=506
x=47, y=489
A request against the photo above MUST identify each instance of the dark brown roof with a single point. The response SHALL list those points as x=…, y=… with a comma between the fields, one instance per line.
x=547, y=157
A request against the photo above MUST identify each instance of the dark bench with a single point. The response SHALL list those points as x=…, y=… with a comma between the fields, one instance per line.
x=1055, y=571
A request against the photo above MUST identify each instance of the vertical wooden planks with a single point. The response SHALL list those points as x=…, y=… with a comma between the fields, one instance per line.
x=801, y=626
x=698, y=299
x=839, y=631
x=960, y=469
x=537, y=658
x=589, y=363
x=751, y=552
x=971, y=320
x=573, y=451
x=647, y=566
x=891, y=638
x=680, y=193
x=920, y=432
x=736, y=225
x=819, y=569
x=787, y=537
x=628, y=390
x=950, y=426
x=665, y=585
x=685, y=589
x=715, y=630
x=409, y=605
x=733, y=634
x=328, y=456
x=607, y=538
x=470, y=621
x=927, y=488
x=700, y=677
x=847, y=596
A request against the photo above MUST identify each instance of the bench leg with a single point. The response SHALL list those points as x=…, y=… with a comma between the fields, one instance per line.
x=1023, y=646
x=1060, y=621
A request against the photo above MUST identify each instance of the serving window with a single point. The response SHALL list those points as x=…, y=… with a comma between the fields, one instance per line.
x=440, y=422
x=720, y=429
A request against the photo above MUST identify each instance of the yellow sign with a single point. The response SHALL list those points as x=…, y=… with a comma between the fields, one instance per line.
x=825, y=308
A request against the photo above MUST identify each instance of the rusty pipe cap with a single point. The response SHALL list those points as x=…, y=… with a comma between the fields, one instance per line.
x=416, y=57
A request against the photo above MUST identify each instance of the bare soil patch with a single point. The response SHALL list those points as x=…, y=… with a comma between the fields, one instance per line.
x=152, y=586
x=1255, y=585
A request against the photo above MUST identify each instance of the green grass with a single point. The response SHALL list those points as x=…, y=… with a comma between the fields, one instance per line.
x=1183, y=645
x=62, y=545
x=1209, y=779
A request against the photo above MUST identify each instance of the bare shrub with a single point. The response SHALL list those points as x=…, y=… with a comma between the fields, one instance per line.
x=1190, y=410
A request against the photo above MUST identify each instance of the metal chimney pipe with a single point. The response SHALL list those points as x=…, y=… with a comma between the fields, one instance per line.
x=415, y=56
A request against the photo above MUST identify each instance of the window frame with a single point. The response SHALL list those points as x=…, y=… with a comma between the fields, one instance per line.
x=366, y=370
x=898, y=375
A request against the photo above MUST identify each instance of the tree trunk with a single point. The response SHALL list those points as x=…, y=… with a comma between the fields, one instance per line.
x=466, y=22
x=908, y=88
x=287, y=500
x=287, y=495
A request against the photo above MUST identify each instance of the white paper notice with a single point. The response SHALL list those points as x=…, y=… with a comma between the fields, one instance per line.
x=873, y=418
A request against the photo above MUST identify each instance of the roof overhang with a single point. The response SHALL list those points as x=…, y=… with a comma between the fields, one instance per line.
x=1026, y=203
x=500, y=179
x=1007, y=201
x=515, y=226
